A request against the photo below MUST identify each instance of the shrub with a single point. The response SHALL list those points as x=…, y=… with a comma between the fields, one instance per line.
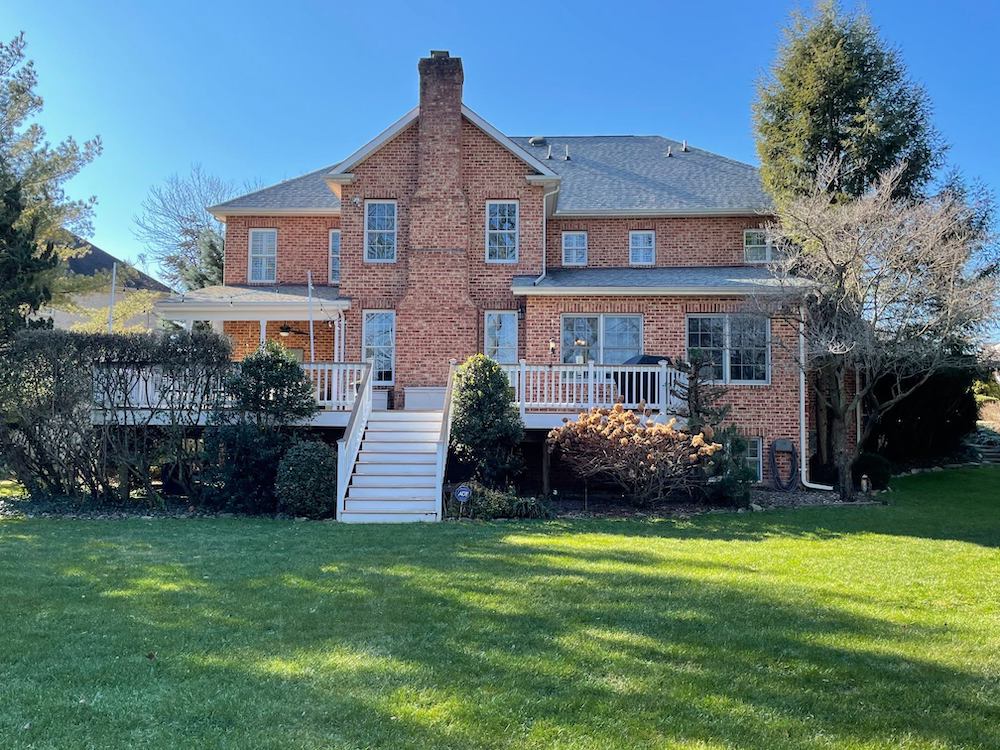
x=732, y=476
x=307, y=480
x=270, y=388
x=488, y=503
x=486, y=429
x=648, y=460
x=878, y=468
x=241, y=467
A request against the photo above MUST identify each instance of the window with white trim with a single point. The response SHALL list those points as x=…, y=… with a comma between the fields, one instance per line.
x=500, y=342
x=605, y=339
x=642, y=247
x=574, y=248
x=378, y=343
x=757, y=248
x=263, y=256
x=380, y=231
x=334, y=256
x=755, y=457
x=501, y=231
x=736, y=348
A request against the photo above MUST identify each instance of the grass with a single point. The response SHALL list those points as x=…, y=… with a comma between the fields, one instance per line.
x=868, y=627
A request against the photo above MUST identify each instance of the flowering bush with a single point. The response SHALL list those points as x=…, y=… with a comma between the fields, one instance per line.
x=648, y=460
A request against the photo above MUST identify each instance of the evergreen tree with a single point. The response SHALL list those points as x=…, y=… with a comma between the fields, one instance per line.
x=838, y=92
x=23, y=267
x=208, y=270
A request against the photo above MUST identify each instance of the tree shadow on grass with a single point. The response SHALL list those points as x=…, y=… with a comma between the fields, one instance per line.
x=281, y=635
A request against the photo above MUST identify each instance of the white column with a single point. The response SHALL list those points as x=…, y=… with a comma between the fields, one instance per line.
x=263, y=333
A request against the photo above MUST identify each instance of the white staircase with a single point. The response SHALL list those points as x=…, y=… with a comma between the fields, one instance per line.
x=395, y=477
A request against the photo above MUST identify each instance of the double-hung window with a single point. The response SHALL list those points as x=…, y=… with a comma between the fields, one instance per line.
x=334, y=256
x=378, y=334
x=735, y=348
x=501, y=231
x=574, y=248
x=642, y=247
x=263, y=256
x=380, y=231
x=501, y=336
x=757, y=248
x=604, y=339
x=755, y=457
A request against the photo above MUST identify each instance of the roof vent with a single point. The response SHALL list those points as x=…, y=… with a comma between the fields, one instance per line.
x=566, y=157
x=670, y=151
x=548, y=154
x=536, y=140
x=684, y=146
x=440, y=53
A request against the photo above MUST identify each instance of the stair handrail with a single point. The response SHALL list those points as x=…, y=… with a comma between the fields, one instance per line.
x=349, y=445
x=444, y=438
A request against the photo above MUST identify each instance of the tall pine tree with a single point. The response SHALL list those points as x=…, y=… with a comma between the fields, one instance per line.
x=838, y=92
x=24, y=268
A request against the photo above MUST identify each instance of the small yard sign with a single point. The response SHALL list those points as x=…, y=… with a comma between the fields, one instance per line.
x=462, y=493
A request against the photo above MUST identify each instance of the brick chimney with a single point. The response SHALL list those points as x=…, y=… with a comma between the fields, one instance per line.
x=436, y=319
x=439, y=214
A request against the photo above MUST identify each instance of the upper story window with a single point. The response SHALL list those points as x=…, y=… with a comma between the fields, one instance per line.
x=501, y=336
x=501, y=231
x=263, y=256
x=737, y=348
x=574, y=248
x=756, y=248
x=642, y=247
x=334, y=256
x=380, y=231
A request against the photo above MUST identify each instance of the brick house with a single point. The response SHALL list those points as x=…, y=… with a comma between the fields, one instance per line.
x=577, y=262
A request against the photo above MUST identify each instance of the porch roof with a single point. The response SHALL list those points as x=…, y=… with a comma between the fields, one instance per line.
x=679, y=281
x=236, y=302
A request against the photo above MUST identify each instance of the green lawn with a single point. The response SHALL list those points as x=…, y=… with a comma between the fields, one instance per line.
x=820, y=628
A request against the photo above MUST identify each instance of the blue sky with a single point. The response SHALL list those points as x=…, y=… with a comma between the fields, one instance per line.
x=266, y=91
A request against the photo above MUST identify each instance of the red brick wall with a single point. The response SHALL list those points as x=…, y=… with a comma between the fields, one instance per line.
x=687, y=241
x=303, y=245
x=765, y=411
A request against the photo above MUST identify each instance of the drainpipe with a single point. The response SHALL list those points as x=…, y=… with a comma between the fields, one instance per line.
x=544, y=233
x=804, y=462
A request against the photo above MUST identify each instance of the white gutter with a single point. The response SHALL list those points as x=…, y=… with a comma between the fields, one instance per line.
x=545, y=230
x=803, y=448
x=620, y=291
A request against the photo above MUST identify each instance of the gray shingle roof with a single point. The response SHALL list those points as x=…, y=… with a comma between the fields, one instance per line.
x=307, y=192
x=235, y=293
x=634, y=173
x=687, y=280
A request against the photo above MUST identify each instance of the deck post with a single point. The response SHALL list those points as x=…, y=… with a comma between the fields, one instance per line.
x=590, y=384
x=521, y=388
x=546, y=462
x=664, y=390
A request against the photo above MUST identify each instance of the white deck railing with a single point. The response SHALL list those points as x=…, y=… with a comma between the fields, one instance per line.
x=444, y=438
x=572, y=387
x=335, y=383
x=349, y=445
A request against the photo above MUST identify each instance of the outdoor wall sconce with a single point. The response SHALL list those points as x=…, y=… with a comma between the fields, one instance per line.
x=552, y=347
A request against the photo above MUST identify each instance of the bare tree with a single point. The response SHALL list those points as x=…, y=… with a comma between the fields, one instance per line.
x=893, y=291
x=174, y=226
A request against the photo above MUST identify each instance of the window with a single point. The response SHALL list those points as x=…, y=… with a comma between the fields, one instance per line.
x=736, y=347
x=380, y=231
x=606, y=339
x=642, y=248
x=379, y=344
x=501, y=336
x=755, y=457
x=263, y=255
x=501, y=231
x=756, y=248
x=574, y=248
x=334, y=256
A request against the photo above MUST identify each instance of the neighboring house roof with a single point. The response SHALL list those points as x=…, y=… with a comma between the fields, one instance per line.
x=689, y=281
x=239, y=302
x=604, y=175
x=632, y=174
x=307, y=193
x=95, y=260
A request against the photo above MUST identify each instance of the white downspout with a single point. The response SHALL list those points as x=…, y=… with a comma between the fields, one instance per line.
x=312, y=334
x=545, y=238
x=803, y=459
